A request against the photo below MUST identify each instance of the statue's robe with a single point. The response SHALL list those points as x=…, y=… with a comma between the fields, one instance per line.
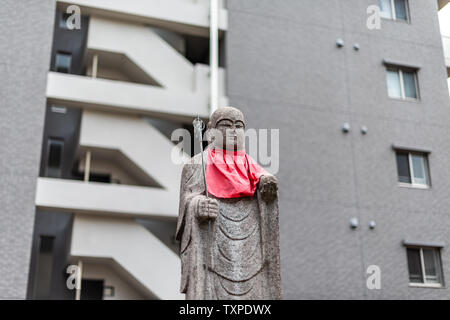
x=236, y=255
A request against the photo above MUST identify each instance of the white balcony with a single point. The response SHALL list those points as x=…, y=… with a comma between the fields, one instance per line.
x=145, y=147
x=119, y=96
x=144, y=48
x=186, y=16
x=136, y=254
x=105, y=199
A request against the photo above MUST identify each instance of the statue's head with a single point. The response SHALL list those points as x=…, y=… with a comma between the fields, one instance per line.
x=226, y=129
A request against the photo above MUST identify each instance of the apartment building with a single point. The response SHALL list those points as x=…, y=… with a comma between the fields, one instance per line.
x=96, y=91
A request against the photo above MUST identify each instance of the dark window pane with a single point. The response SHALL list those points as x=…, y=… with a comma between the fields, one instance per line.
x=409, y=81
x=63, y=62
x=400, y=10
x=393, y=84
x=91, y=289
x=63, y=20
x=403, y=168
x=44, y=268
x=100, y=177
x=385, y=9
x=432, y=265
x=54, y=155
x=414, y=265
x=54, y=158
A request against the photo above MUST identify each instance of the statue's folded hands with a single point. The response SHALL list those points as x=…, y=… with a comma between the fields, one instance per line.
x=207, y=208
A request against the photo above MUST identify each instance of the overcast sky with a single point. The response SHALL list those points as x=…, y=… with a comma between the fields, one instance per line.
x=444, y=20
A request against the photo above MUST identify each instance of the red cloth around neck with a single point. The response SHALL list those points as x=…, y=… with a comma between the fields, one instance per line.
x=232, y=174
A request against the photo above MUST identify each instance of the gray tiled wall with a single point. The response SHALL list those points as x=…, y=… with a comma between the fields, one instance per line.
x=25, y=41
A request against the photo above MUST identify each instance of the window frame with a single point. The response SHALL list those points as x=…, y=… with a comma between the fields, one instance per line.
x=414, y=184
x=400, y=70
x=426, y=284
x=394, y=13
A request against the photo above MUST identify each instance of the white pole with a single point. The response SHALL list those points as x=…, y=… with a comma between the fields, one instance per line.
x=214, y=54
x=94, y=66
x=78, y=280
x=87, y=166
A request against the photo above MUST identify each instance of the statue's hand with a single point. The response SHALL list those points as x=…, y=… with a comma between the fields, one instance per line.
x=208, y=208
x=268, y=186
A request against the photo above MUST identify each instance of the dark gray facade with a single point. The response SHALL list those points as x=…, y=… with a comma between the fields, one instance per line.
x=25, y=43
x=62, y=124
x=285, y=71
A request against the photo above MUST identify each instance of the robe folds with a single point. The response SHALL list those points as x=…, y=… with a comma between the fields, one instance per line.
x=236, y=255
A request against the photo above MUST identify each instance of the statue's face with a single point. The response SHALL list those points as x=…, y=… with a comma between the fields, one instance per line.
x=232, y=131
x=229, y=130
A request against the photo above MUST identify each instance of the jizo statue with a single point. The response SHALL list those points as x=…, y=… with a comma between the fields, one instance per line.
x=228, y=219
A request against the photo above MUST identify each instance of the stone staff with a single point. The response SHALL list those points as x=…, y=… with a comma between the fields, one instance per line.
x=199, y=125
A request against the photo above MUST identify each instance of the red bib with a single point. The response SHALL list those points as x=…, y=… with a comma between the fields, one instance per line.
x=232, y=174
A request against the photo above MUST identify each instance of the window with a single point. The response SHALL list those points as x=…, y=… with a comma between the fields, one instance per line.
x=92, y=289
x=100, y=177
x=402, y=83
x=43, y=278
x=412, y=168
x=424, y=266
x=54, y=157
x=63, y=62
x=63, y=16
x=394, y=9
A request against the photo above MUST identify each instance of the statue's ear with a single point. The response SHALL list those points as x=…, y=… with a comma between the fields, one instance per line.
x=209, y=136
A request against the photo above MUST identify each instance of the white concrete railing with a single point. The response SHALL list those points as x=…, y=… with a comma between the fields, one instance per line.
x=149, y=149
x=187, y=16
x=119, y=96
x=149, y=52
x=105, y=199
x=139, y=255
x=144, y=48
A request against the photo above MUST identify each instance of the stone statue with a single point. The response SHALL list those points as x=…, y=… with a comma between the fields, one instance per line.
x=229, y=231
